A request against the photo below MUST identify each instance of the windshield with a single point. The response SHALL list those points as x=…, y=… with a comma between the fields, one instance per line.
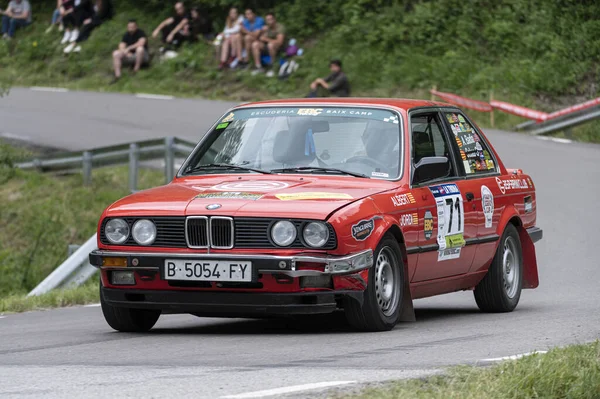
x=328, y=140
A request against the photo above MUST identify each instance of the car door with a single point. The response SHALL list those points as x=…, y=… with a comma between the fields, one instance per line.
x=447, y=219
x=480, y=168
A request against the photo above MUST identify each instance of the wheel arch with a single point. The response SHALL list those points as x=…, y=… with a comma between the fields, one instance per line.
x=407, y=312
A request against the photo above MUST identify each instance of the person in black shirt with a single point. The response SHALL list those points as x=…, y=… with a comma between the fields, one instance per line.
x=199, y=27
x=103, y=11
x=133, y=49
x=336, y=83
x=172, y=27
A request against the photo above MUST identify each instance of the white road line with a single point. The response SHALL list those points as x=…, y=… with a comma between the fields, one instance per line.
x=91, y=305
x=513, y=357
x=2, y=317
x=154, y=96
x=51, y=89
x=555, y=139
x=290, y=389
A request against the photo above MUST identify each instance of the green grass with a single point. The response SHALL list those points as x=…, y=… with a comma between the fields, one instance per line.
x=571, y=372
x=85, y=294
x=41, y=214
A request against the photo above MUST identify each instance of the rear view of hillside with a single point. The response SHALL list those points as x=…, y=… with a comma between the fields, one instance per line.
x=537, y=53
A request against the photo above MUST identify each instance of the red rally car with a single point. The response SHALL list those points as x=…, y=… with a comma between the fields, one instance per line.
x=311, y=206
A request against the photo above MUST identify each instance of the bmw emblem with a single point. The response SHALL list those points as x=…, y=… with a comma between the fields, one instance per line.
x=212, y=207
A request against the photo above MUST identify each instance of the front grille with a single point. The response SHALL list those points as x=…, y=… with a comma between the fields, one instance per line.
x=221, y=232
x=197, y=231
x=225, y=233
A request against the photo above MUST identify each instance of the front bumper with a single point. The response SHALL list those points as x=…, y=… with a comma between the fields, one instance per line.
x=266, y=264
x=229, y=304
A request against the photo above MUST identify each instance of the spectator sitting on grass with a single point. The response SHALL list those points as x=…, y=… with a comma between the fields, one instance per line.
x=133, y=50
x=17, y=15
x=336, y=83
x=251, y=29
x=269, y=43
x=199, y=26
x=81, y=12
x=57, y=17
x=103, y=11
x=171, y=27
x=231, y=48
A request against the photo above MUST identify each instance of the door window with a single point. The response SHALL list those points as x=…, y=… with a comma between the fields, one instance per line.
x=429, y=141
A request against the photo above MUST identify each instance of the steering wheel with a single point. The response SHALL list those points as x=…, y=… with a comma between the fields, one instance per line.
x=367, y=161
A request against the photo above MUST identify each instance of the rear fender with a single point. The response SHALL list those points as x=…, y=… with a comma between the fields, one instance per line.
x=530, y=269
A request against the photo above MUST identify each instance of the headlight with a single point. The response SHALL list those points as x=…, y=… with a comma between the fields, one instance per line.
x=315, y=234
x=117, y=231
x=144, y=232
x=283, y=233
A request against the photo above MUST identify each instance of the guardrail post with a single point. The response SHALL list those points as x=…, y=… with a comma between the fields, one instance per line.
x=134, y=158
x=87, y=168
x=169, y=159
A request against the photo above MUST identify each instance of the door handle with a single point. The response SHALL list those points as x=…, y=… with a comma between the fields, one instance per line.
x=470, y=196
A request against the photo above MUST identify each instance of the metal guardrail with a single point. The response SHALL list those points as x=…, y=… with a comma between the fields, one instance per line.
x=132, y=153
x=561, y=123
x=72, y=272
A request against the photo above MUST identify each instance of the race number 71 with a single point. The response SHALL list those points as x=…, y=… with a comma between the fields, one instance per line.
x=451, y=204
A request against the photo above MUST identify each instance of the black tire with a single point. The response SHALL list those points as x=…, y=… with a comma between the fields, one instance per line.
x=495, y=293
x=371, y=316
x=127, y=319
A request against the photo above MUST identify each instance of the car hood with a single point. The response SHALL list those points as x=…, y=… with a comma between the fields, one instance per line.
x=293, y=196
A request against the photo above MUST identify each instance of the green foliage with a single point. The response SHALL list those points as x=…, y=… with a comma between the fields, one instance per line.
x=571, y=372
x=41, y=214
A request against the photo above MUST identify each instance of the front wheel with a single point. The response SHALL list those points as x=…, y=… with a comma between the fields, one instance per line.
x=500, y=289
x=127, y=319
x=382, y=299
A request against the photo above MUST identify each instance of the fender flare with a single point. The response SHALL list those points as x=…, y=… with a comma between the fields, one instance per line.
x=530, y=269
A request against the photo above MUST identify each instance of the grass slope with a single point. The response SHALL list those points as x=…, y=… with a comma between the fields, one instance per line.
x=85, y=294
x=571, y=372
x=41, y=214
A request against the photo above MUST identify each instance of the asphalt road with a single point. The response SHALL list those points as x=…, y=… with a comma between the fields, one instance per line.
x=72, y=352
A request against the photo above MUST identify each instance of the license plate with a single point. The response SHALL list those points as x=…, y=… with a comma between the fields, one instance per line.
x=208, y=270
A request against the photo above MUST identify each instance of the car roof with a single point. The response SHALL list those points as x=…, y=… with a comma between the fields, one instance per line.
x=401, y=103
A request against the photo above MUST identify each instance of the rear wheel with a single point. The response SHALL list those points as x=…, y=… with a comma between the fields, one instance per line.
x=127, y=319
x=500, y=289
x=382, y=298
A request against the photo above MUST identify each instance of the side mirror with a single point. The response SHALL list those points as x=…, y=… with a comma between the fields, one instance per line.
x=431, y=168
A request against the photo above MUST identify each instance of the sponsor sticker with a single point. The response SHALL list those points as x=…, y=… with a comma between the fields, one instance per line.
x=391, y=119
x=229, y=195
x=363, y=229
x=410, y=219
x=403, y=199
x=380, y=174
x=511, y=184
x=222, y=125
x=256, y=185
x=228, y=118
x=487, y=203
x=312, y=196
x=428, y=225
x=490, y=164
x=461, y=118
x=310, y=111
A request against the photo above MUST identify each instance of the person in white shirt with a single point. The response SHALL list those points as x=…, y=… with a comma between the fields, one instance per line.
x=17, y=15
x=232, y=39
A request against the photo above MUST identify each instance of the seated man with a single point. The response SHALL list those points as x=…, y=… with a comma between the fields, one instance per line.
x=133, y=49
x=171, y=27
x=200, y=26
x=269, y=43
x=16, y=15
x=251, y=29
x=336, y=83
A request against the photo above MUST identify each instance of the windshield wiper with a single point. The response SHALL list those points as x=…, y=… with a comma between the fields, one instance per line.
x=318, y=169
x=225, y=166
